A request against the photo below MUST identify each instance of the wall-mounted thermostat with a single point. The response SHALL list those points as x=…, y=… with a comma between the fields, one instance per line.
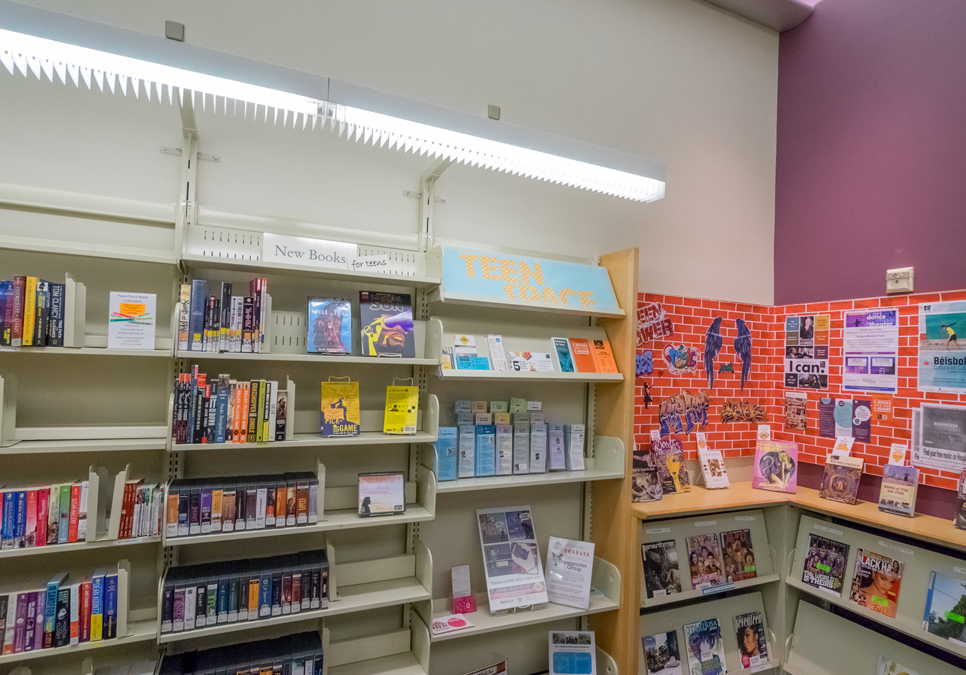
x=899, y=280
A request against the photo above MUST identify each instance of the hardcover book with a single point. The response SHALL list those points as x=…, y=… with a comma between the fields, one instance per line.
x=945, y=613
x=825, y=563
x=662, y=654
x=662, y=577
x=705, y=648
x=340, y=409
x=705, y=562
x=387, y=324
x=841, y=480
x=330, y=326
x=875, y=584
x=898, y=491
x=739, y=555
x=671, y=467
x=776, y=466
x=752, y=645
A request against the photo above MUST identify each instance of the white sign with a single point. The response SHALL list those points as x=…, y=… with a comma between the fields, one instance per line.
x=569, y=568
x=285, y=250
x=132, y=320
x=897, y=456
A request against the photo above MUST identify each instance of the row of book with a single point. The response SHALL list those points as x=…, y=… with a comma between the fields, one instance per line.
x=215, y=594
x=227, y=411
x=60, y=613
x=299, y=654
x=224, y=322
x=573, y=355
x=241, y=503
x=386, y=321
x=714, y=560
x=31, y=313
x=43, y=516
x=704, y=645
x=140, y=510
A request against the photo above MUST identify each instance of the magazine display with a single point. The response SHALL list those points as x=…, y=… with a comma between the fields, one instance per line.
x=825, y=564
x=330, y=326
x=671, y=467
x=946, y=608
x=705, y=562
x=387, y=324
x=739, y=556
x=511, y=558
x=662, y=576
x=646, y=483
x=705, y=649
x=776, y=466
x=752, y=645
x=898, y=491
x=841, y=480
x=662, y=654
x=875, y=585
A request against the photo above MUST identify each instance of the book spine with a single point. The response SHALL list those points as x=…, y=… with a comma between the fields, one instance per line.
x=75, y=614
x=50, y=613
x=6, y=334
x=43, y=313
x=6, y=524
x=253, y=412
x=9, y=623
x=30, y=531
x=85, y=487
x=256, y=290
x=57, y=315
x=221, y=414
x=184, y=314
x=73, y=514
x=53, y=515
x=40, y=619
x=62, y=620
x=43, y=500
x=110, y=606
x=19, y=300
x=29, y=619
x=20, y=524
x=171, y=512
x=30, y=311
x=97, y=607
x=225, y=316
x=196, y=316
x=208, y=412
x=20, y=623
x=85, y=611
x=261, y=414
x=248, y=325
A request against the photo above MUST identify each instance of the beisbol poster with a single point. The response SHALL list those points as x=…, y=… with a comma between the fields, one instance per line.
x=942, y=359
x=806, y=352
x=511, y=558
x=870, y=345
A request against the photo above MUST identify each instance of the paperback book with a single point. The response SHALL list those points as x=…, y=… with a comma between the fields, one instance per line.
x=671, y=467
x=712, y=465
x=739, y=555
x=945, y=614
x=825, y=563
x=752, y=645
x=340, y=409
x=875, y=584
x=387, y=324
x=646, y=483
x=841, y=480
x=330, y=326
x=898, y=491
x=776, y=466
x=662, y=654
x=706, y=654
x=662, y=577
x=402, y=407
x=705, y=562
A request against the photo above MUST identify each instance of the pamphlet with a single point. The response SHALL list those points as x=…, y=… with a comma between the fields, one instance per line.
x=539, y=362
x=572, y=653
x=511, y=558
x=132, y=320
x=497, y=354
x=712, y=465
x=570, y=565
x=888, y=666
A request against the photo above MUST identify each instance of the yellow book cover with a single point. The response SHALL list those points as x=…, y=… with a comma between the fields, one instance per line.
x=340, y=409
x=30, y=311
x=402, y=404
x=260, y=413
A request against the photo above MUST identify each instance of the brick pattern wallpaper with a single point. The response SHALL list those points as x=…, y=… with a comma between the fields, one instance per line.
x=691, y=317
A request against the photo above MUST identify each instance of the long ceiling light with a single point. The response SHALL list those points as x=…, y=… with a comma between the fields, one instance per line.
x=58, y=61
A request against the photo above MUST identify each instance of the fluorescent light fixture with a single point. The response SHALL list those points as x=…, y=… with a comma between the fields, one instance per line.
x=54, y=60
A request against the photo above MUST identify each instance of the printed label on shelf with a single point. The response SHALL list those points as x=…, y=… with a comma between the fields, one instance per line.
x=657, y=530
x=830, y=530
x=896, y=547
x=748, y=519
x=762, y=667
x=829, y=591
x=705, y=523
x=708, y=590
x=960, y=570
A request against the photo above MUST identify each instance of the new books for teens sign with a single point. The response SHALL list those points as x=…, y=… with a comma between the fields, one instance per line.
x=540, y=282
x=305, y=252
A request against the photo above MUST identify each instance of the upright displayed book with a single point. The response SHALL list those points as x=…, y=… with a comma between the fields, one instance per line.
x=329, y=326
x=662, y=654
x=646, y=481
x=340, y=409
x=662, y=577
x=945, y=614
x=511, y=558
x=705, y=562
x=671, y=467
x=897, y=493
x=841, y=480
x=876, y=582
x=776, y=466
x=825, y=563
x=582, y=355
x=739, y=555
x=752, y=644
x=386, y=321
x=712, y=465
x=402, y=408
x=705, y=648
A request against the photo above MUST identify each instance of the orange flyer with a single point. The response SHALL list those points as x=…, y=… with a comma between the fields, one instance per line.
x=583, y=357
x=603, y=356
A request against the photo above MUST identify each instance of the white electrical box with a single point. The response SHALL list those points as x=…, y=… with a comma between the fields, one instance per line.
x=899, y=280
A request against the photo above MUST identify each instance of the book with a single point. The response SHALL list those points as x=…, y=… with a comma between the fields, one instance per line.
x=564, y=359
x=739, y=555
x=196, y=315
x=671, y=467
x=897, y=494
x=705, y=648
x=945, y=613
x=662, y=654
x=582, y=355
x=386, y=320
x=29, y=310
x=705, y=562
x=662, y=577
x=646, y=482
x=752, y=644
x=340, y=409
x=825, y=563
x=402, y=404
x=712, y=466
x=603, y=356
x=58, y=315
x=776, y=466
x=841, y=480
x=876, y=582
x=329, y=326
x=959, y=520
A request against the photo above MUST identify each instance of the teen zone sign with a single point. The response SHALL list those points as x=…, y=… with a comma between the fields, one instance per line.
x=501, y=277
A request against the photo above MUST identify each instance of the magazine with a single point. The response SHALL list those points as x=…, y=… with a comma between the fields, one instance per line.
x=671, y=467
x=875, y=585
x=514, y=575
x=752, y=645
x=705, y=649
x=841, y=480
x=776, y=466
x=946, y=608
x=662, y=576
x=825, y=564
x=704, y=561
x=330, y=326
x=646, y=482
x=662, y=654
x=739, y=556
x=387, y=324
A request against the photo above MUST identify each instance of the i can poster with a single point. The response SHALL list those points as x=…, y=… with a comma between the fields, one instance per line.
x=870, y=345
x=806, y=352
x=942, y=357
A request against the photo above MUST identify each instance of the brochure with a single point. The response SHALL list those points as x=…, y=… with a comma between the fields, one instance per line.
x=511, y=558
x=572, y=653
x=570, y=565
x=132, y=320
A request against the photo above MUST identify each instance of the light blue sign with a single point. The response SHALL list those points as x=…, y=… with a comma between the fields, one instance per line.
x=506, y=278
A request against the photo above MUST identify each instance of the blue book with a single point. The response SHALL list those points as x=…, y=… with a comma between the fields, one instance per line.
x=6, y=300
x=485, y=450
x=9, y=516
x=446, y=453
x=265, y=595
x=50, y=608
x=110, y=606
x=221, y=413
x=20, y=524
x=196, y=315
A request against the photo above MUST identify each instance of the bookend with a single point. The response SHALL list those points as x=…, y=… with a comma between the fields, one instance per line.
x=75, y=312
x=8, y=410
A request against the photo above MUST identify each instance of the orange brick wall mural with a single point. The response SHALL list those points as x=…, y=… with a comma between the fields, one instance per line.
x=691, y=318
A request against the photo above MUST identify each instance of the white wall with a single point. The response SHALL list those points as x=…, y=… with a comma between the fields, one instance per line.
x=675, y=80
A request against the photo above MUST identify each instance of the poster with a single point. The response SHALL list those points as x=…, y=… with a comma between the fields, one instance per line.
x=806, y=352
x=511, y=559
x=796, y=406
x=845, y=417
x=941, y=442
x=870, y=346
x=570, y=565
x=942, y=357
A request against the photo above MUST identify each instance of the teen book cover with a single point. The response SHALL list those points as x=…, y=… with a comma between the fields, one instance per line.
x=671, y=467
x=704, y=561
x=662, y=577
x=898, y=491
x=752, y=645
x=705, y=648
x=875, y=584
x=330, y=326
x=825, y=564
x=841, y=480
x=387, y=324
x=739, y=555
x=776, y=466
x=662, y=654
x=340, y=409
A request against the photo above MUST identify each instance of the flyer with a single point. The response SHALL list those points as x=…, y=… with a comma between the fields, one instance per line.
x=796, y=406
x=572, y=653
x=511, y=559
x=132, y=320
x=570, y=565
x=942, y=357
x=941, y=441
x=870, y=347
x=845, y=417
x=806, y=352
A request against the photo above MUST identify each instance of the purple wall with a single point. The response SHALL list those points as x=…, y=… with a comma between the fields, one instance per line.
x=871, y=165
